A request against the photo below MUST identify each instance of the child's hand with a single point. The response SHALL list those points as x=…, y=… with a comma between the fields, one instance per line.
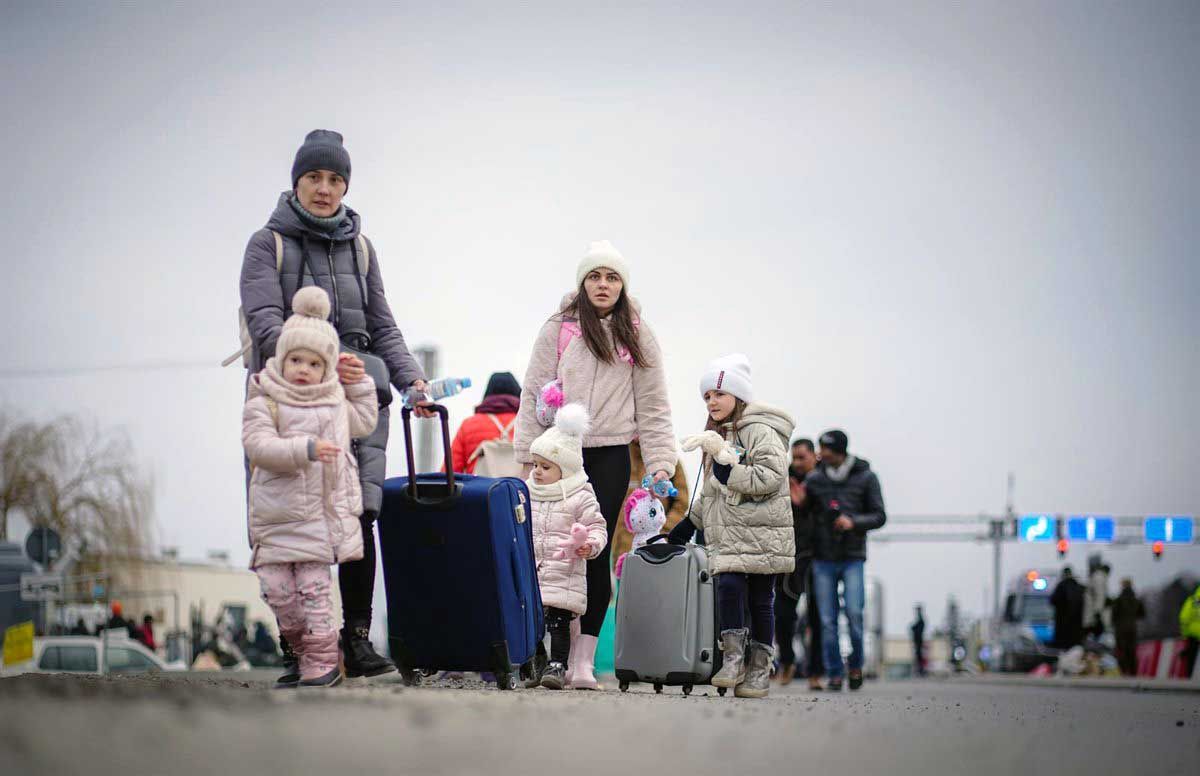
x=583, y=552
x=327, y=452
x=710, y=442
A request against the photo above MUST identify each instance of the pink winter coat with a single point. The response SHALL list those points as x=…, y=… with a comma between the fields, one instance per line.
x=564, y=582
x=302, y=510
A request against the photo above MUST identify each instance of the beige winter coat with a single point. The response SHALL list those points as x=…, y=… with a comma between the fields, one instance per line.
x=747, y=523
x=302, y=510
x=623, y=401
x=564, y=582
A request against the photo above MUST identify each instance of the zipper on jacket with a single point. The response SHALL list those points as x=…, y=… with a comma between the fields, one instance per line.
x=337, y=303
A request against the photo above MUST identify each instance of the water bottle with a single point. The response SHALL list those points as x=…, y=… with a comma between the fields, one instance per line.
x=662, y=489
x=448, y=386
x=434, y=391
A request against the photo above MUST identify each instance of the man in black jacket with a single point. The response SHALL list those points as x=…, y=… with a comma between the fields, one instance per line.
x=847, y=501
x=1067, y=600
x=790, y=586
x=1127, y=609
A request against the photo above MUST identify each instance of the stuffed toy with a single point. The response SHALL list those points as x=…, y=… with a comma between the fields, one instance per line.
x=550, y=398
x=644, y=517
x=568, y=546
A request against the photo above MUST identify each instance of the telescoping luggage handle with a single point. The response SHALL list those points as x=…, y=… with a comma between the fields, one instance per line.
x=444, y=416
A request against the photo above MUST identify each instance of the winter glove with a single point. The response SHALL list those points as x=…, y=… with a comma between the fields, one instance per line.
x=682, y=533
x=713, y=445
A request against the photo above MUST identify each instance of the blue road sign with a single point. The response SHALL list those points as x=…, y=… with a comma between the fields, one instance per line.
x=1175, y=529
x=1091, y=528
x=1037, y=528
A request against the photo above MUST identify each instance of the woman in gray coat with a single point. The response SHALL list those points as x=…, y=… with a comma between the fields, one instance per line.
x=312, y=238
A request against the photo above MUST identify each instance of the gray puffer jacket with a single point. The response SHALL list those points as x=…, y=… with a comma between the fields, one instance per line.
x=747, y=522
x=358, y=306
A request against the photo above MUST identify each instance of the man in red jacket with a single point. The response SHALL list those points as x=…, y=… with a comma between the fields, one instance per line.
x=496, y=416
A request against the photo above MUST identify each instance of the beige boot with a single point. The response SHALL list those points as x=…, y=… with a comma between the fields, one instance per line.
x=758, y=674
x=584, y=678
x=573, y=658
x=733, y=659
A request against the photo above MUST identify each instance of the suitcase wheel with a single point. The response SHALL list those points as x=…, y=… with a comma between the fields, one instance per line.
x=658, y=688
x=624, y=686
x=687, y=690
x=721, y=691
x=507, y=681
x=410, y=678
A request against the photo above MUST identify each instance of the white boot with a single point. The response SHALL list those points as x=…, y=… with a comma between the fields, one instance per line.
x=584, y=678
x=573, y=658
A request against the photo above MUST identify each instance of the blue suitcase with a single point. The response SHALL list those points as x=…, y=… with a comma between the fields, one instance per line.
x=458, y=569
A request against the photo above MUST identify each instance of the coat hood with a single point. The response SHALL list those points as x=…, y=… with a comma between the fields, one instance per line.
x=286, y=221
x=778, y=420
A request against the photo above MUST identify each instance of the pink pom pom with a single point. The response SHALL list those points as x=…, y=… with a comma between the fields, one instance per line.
x=553, y=395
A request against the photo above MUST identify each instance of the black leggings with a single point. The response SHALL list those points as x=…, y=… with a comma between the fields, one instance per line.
x=608, y=470
x=558, y=625
x=356, y=579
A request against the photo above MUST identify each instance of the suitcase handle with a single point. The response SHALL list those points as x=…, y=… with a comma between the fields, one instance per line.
x=444, y=416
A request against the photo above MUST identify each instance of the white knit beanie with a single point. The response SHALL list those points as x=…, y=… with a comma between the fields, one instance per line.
x=309, y=328
x=730, y=374
x=602, y=254
x=562, y=443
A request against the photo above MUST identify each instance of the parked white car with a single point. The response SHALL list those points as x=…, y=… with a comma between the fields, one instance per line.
x=86, y=654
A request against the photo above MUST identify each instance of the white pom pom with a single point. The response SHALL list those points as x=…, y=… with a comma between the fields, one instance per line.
x=572, y=420
x=311, y=301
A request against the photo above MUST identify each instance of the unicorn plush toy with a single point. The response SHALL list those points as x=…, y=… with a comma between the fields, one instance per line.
x=644, y=517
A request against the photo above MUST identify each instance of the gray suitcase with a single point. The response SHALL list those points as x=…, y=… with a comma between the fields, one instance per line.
x=666, y=632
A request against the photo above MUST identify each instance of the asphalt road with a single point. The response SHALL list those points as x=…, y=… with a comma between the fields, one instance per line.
x=194, y=724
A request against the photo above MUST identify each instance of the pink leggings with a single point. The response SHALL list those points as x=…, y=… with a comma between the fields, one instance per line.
x=298, y=593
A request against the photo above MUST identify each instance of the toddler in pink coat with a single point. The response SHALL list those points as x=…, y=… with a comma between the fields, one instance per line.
x=568, y=530
x=305, y=496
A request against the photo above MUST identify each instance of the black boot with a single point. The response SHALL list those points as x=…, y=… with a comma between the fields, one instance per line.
x=291, y=666
x=360, y=657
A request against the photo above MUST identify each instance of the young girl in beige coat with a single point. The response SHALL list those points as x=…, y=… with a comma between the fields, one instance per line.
x=305, y=497
x=568, y=530
x=745, y=512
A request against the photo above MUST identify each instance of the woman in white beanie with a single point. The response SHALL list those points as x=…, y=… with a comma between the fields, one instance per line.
x=305, y=496
x=603, y=355
x=568, y=530
x=745, y=512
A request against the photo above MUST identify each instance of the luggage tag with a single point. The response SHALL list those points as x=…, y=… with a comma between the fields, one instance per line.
x=520, y=508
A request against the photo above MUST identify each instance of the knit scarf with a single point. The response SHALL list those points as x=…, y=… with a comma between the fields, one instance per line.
x=840, y=473
x=559, y=491
x=327, y=392
x=321, y=225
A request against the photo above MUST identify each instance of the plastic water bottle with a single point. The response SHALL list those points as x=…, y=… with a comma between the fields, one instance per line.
x=448, y=386
x=662, y=489
x=434, y=391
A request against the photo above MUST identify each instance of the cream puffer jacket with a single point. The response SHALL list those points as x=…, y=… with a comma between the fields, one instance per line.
x=555, y=509
x=622, y=400
x=302, y=510
x=747, y=522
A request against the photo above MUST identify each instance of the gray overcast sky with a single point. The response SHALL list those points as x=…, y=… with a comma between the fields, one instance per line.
x=965, y=235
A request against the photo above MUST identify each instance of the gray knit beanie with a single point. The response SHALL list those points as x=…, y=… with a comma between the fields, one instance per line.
x=322, y=150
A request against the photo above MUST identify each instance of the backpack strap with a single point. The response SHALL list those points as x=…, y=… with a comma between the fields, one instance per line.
x=567, y=331
x=364, y=254
x=278, y=251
